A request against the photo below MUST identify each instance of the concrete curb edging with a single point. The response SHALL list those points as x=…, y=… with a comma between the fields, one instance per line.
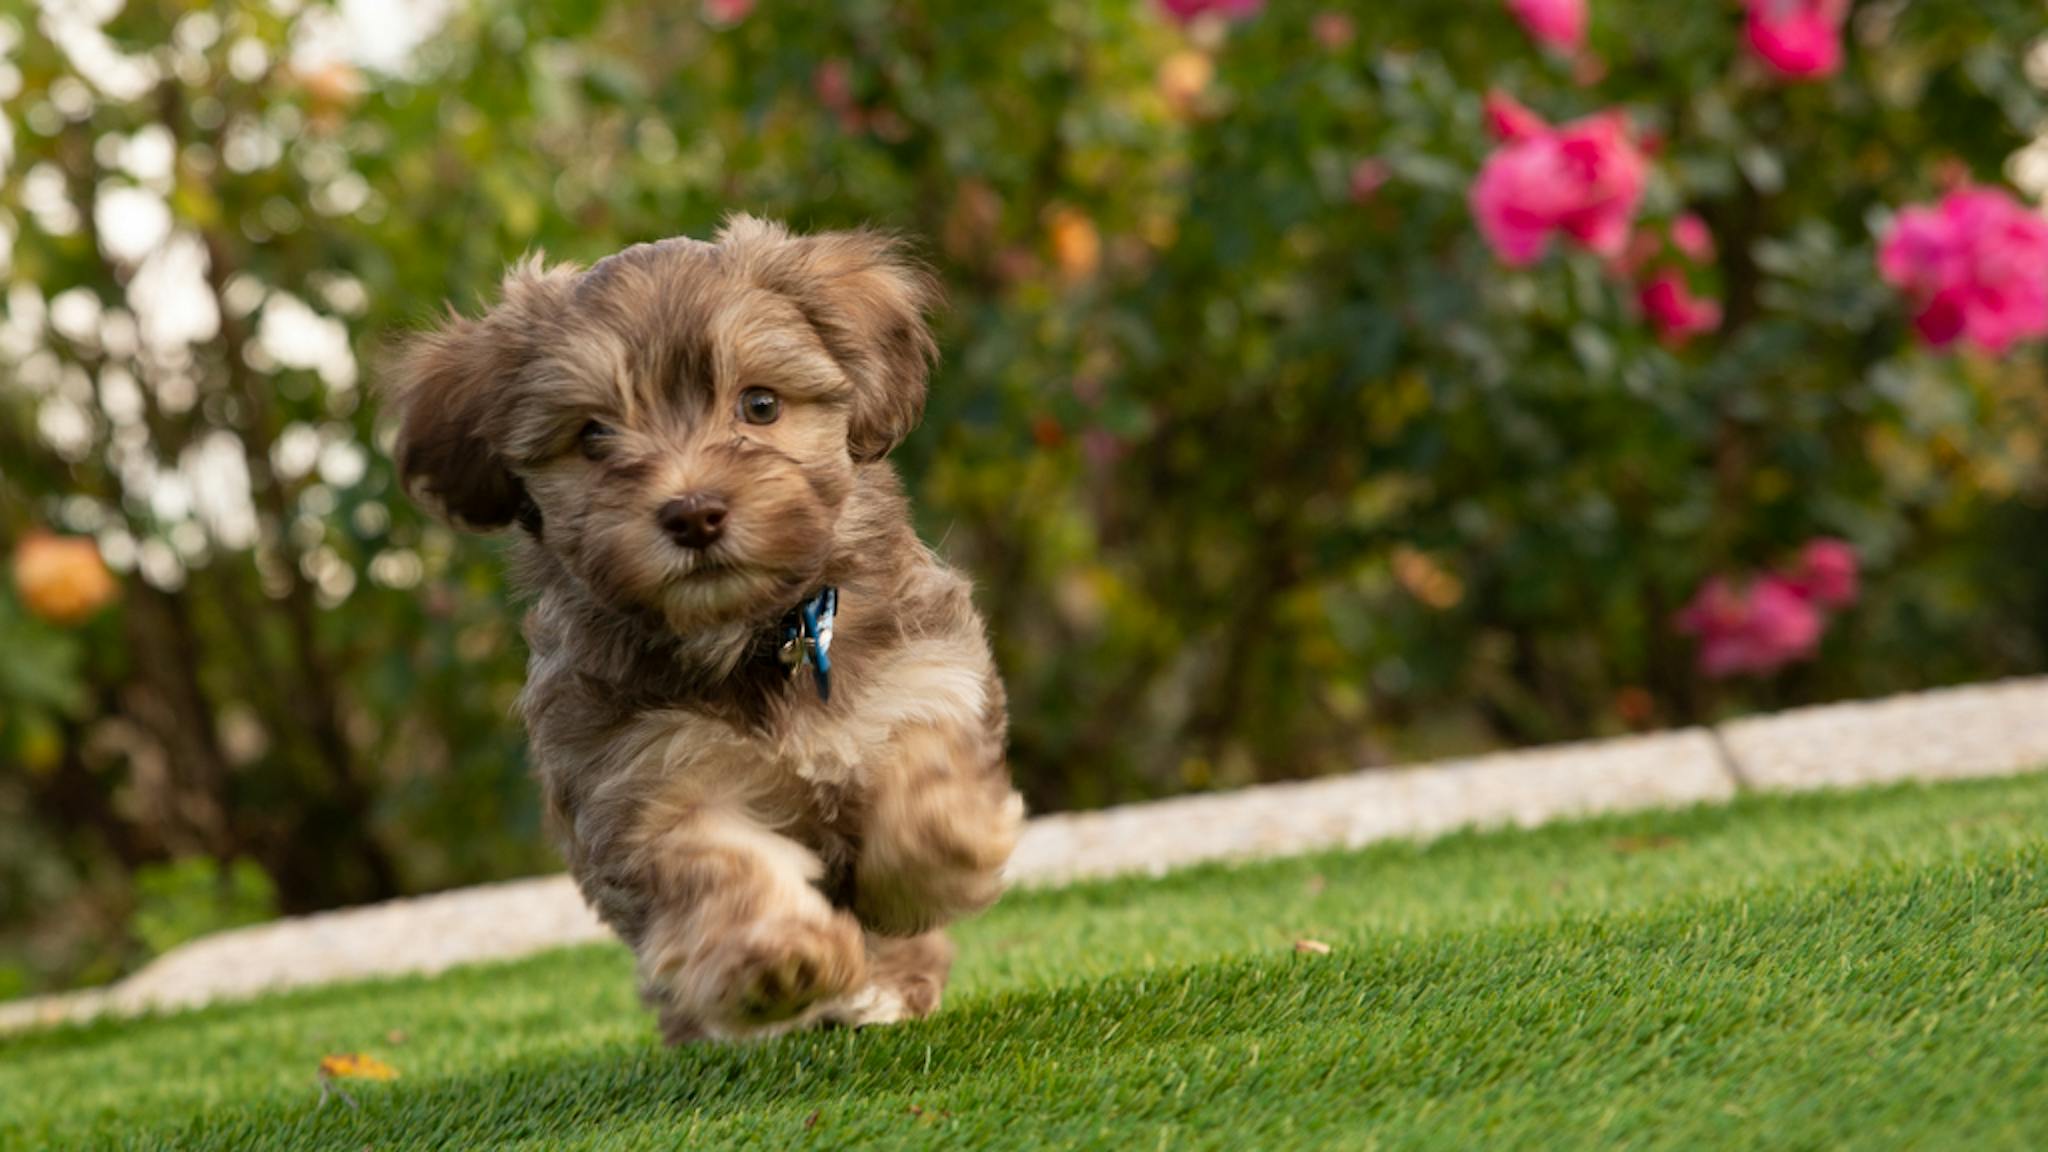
x=1988, y=730
x=1985, y=730
x=1524, y=789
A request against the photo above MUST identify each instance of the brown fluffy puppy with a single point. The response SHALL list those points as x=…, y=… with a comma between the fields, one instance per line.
x=688, y=440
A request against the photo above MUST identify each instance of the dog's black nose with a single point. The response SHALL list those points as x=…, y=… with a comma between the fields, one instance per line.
x=694, y=521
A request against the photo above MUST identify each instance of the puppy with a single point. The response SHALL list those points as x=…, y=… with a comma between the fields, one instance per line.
x=764, y=715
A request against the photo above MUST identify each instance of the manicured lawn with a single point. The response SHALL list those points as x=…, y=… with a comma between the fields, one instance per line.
x=1867, y=970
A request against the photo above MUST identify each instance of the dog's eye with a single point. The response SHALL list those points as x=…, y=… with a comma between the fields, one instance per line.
x=760, y=406
x=593, y=439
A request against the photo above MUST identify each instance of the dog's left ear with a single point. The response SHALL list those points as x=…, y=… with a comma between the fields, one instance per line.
x=868, y=301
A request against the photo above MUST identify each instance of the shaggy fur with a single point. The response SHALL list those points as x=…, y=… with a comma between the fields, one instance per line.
x=774, y=860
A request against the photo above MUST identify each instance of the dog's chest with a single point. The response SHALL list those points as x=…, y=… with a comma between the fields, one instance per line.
x=805, y=749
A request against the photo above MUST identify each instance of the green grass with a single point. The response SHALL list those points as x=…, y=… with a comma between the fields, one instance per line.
x=1867, y=970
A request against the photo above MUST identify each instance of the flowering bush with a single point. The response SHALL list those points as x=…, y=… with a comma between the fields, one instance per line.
x=1678, y=314
x=1777, y=619
x=1584, y=179
x=1187, y=10
x=1509, y=120
x=1303, y=407
x=1799, y=39
x=1826, y=574
x=1975, y=268
x=1758, y=630
x=1558, y=24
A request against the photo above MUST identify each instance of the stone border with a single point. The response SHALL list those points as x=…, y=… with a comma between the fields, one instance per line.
x=1985, y=730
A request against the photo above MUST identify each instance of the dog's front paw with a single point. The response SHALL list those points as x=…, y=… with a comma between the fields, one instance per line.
x=784, y=967
x=935, y=856
x=764, y=975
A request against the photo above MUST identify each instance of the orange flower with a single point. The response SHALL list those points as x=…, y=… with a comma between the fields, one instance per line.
x=1183, y=77
x=62, y=578
x=1428, y=581
x=1076, y=245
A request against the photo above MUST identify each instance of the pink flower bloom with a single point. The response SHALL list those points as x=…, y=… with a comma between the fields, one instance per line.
x=1690, y=235
x=1678, y=314
x=1188, y=11
x=1557, y=24
x=832, y=83
x=1508, y=119
x=1334, y=30
x=1368, y=176
x=1755, y=631
x=1584, y=179
x=727, y=12
x=1800, y=39
x=1826, y=573
x=1975, y=267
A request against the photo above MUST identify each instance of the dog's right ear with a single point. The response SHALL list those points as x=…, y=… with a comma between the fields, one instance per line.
x=451, y=388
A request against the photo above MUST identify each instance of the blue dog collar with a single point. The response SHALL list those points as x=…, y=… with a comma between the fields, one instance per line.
x=807, y=639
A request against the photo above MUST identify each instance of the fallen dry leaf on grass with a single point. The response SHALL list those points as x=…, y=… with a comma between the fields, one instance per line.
x=1312, y=947
x=351, y=1066
x=356, y=1066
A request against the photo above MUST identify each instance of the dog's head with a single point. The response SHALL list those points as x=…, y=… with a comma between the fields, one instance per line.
x=681, y=424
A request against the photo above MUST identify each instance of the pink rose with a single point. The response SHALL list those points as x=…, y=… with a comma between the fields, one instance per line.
x=1677, y=314
x=1800, y=39
x=1188, y=11
x=1368, y=176
x=1975, y=267
x=1826, y=573
x=1755, y=631
x=1558, y=24
x=1584, y=179
x=1690, y=235
x=1334, y=30
x=727, y=12
x=832, y=83
x=1508, y=119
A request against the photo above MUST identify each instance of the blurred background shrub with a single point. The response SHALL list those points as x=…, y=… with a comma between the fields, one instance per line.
x=1267, y=462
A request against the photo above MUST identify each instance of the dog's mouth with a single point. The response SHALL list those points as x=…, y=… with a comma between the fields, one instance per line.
x=730, y=581
x=708, y=566
x=726, y=593
x=712, y=565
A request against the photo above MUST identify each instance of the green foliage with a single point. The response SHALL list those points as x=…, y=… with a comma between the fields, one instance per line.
x=187, y=899
x=1803, y=972
x=1258, y=477
x=40, y=686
